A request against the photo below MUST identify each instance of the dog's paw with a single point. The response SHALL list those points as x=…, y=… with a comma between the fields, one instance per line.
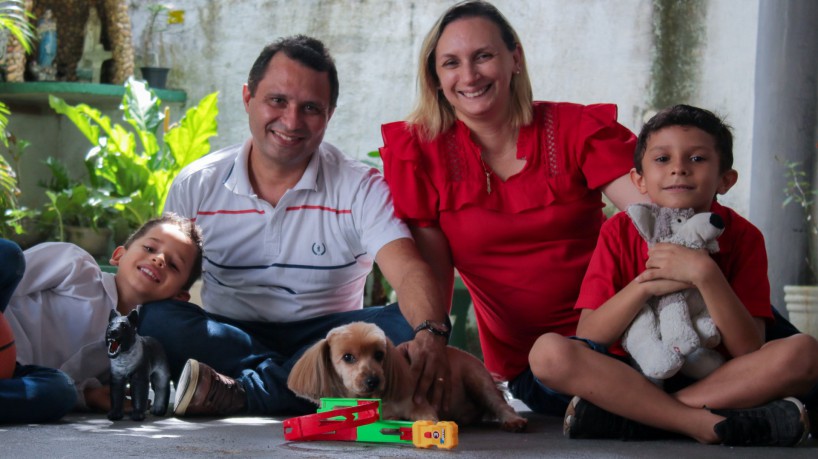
x=114, y=416
x=514, y=424
x=137, y=416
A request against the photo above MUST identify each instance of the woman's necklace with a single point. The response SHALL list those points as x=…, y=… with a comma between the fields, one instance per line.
x=487, y=170
x=488, y=173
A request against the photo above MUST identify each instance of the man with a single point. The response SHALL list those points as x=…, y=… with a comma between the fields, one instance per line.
x=291, y=228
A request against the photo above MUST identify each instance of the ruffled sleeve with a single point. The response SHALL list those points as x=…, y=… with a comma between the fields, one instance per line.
x=415, y=198
x=604, y=147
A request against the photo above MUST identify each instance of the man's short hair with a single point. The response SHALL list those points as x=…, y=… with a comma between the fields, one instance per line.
x=308, y=51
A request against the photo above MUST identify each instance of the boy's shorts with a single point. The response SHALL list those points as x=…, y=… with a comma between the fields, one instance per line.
x=542, y=399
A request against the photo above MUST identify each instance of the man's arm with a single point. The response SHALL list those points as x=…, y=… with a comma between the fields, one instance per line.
x=420, y=299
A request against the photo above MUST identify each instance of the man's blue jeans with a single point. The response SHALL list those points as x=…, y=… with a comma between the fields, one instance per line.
x=33, y=393
x=259, y=355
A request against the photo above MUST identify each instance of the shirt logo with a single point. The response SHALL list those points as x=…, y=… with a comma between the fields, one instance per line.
x=319, y=248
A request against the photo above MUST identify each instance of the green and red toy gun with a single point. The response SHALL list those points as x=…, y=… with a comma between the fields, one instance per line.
x=350, y=419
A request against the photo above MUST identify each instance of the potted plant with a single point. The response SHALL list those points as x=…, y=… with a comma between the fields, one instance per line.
x=802, y=300
x=133, y=166
x=153, y=69
x=76, y=212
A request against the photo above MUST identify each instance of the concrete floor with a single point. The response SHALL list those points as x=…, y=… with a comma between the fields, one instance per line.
x=90, y=436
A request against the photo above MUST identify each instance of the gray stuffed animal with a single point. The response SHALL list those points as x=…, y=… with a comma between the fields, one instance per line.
x=675, y=331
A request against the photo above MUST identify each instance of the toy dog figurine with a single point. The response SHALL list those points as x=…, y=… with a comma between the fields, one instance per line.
x=137, y=359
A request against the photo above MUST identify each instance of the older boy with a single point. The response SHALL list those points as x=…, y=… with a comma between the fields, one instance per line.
x=683, y=160
x=59, y=310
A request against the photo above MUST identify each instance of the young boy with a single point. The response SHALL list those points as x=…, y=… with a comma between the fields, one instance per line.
x=683, y=160
x=59, y=310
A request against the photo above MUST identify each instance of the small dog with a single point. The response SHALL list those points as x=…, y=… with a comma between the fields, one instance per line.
x=137, y=359
x=358, y=361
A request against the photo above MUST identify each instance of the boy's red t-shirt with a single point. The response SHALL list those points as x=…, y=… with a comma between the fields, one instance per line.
x=621, y=253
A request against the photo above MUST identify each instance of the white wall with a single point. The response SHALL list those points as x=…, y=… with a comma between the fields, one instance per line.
x=581, y=50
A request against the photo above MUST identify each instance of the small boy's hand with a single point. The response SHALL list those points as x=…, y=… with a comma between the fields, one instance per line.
x=99, y=399
x=674, y=262
x=655, y=286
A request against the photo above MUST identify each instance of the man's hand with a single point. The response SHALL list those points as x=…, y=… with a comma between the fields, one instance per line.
x=430, y=368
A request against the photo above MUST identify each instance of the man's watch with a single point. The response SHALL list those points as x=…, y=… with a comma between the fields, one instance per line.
x=436, y=328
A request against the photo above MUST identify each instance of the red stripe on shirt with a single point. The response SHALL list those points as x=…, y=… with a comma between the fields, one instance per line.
x=327, y=209
x=230, y=212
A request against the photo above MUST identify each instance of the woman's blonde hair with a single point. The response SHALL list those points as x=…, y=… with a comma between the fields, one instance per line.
x=433, y=114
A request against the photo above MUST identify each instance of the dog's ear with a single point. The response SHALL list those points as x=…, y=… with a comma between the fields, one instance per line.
x=396, y=372
x=113, y=315
x=314, y=376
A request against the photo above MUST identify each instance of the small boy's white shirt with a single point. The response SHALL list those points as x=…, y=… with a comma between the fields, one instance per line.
x=59, y=313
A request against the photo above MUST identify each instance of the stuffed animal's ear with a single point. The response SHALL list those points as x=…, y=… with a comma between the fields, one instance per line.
x=701, y=231
x=314, y=376
x=643, y=217
x=133, y=317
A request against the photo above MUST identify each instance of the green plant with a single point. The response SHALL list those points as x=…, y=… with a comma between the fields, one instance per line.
x=14, y=20
x=799, y=190
x=74, y=203
x=131, y=165
x=152, y=36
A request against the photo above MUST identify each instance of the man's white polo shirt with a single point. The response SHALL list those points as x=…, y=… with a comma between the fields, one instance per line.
x=307, y=256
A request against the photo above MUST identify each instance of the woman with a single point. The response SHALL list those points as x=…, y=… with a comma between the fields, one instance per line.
x=506, y=190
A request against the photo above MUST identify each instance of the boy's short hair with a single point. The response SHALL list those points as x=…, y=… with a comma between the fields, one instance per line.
x=687, y=115
x=188, y=228
x=309, y=52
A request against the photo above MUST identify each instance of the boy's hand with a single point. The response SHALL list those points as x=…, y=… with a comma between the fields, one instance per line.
x=676, y=263
x=658, y=287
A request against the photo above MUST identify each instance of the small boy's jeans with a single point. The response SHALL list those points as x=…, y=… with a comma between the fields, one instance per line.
x=33, y=393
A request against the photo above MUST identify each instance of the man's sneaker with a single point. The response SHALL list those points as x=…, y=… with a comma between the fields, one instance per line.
x=583, y=419
x=204, y=392
x=779, y=423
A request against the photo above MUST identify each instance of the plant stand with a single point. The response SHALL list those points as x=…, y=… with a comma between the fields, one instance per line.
x=802, y=306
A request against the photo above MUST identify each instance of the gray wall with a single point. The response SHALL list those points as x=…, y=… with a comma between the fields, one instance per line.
x=583, y=51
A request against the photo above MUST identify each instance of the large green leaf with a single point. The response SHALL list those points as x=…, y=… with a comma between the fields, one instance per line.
x=78, y=115
x=190, y=139
x=142, y=109
x=14, y=18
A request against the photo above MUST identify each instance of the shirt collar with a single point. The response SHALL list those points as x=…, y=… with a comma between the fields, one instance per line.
x=238, y=178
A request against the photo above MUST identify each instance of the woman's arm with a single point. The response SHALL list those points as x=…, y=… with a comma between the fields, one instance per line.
x=622, y=192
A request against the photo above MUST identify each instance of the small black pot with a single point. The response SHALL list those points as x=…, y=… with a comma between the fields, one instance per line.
x=155, y=76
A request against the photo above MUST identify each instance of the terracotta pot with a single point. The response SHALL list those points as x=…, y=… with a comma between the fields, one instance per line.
x=802, y=306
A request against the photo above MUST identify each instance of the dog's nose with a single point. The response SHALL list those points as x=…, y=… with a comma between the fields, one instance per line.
x=373, y=382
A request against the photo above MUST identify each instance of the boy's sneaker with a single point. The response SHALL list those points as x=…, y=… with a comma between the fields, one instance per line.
x=204, y=392
x=583, y=419
x=779, y=423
